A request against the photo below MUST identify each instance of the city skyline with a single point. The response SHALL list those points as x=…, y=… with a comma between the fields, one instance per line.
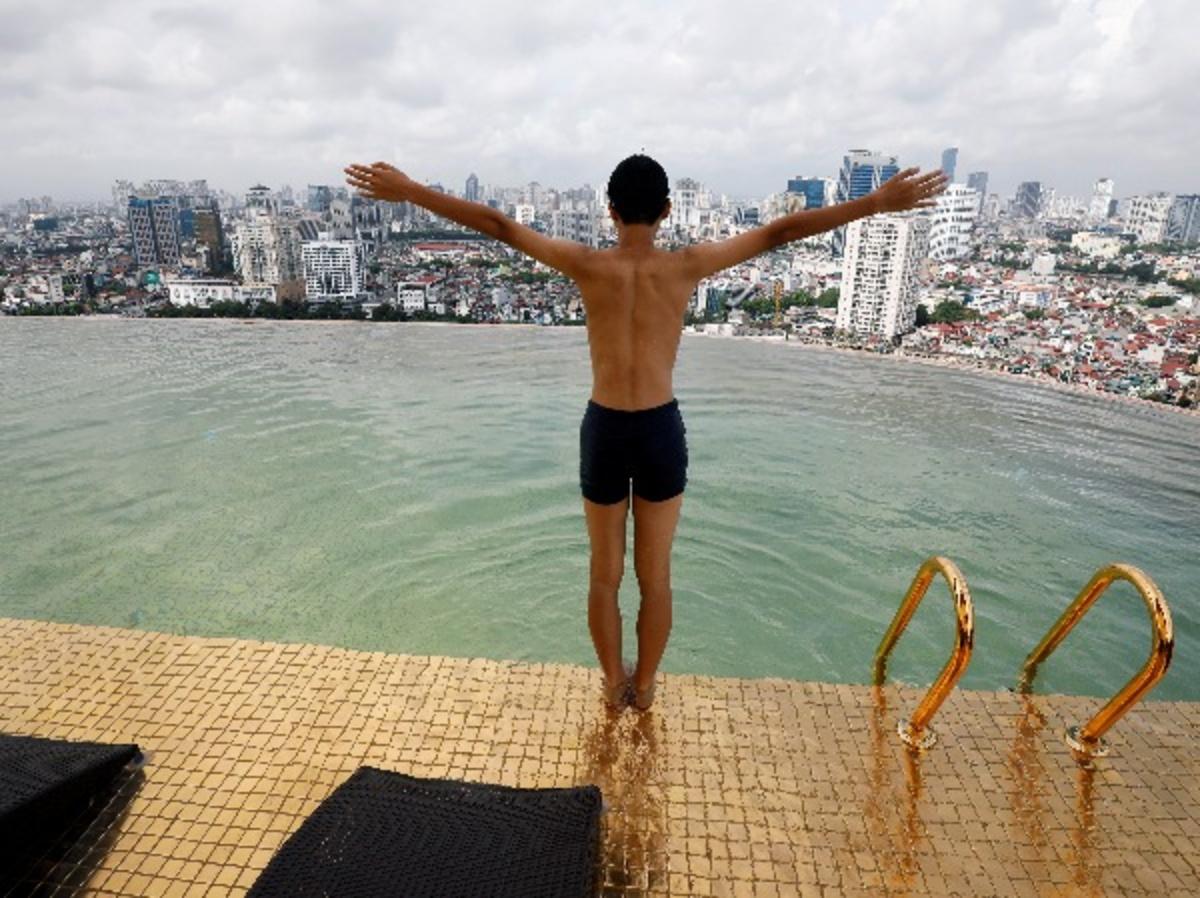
x=246, y=94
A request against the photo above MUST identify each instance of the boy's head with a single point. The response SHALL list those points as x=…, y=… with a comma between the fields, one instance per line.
x=637, y=191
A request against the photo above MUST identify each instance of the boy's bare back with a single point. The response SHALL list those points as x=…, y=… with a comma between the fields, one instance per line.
x=635, y=301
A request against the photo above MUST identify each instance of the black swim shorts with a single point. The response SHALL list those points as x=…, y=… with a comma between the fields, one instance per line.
x=647, y=447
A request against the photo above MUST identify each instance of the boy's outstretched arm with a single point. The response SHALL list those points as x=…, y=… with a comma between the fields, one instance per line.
x=382, y=181
x=904, y=190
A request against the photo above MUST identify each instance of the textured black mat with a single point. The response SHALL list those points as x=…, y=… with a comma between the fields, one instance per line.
x=385, y=833
x=45, y=785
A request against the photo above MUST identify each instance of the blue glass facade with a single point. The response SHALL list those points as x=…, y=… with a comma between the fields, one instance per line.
x=862, y=171
x=812, y=189
x=187, y=223
x=950, y=161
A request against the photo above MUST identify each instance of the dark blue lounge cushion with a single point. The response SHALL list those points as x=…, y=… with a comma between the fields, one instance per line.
x=386, y=833
x=45, y=786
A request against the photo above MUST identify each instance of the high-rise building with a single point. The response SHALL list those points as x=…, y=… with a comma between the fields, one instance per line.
x=978, y=181
x=260, y=197
x=211, y=236
x=171, y=187
x=266, y=250
x=1102, y=194
x=953, y=222
x=472, y=191
x=688, y=199
x=949, y=161
x=812, y=189
x=574, y=224
x=319, y=197
x=1028, y=201
x=1183, y=221
x=340, y=219
x=879, y=274
x=862, y=171
x=122, y=191
x=1146, y=216
x=333, y=270
x=154, y=223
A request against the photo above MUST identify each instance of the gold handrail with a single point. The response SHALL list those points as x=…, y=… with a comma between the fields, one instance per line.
x=917, y=732
x=1087, y=740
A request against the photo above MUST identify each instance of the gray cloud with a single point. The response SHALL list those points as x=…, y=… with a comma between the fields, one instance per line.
x=741, y=96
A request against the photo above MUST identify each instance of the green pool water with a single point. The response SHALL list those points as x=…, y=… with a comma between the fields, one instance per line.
x=415, y=489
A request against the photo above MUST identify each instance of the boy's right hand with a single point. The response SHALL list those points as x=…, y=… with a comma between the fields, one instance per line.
x=909, y=190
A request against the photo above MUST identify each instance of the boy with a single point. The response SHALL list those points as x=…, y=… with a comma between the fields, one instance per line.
x=635, y=296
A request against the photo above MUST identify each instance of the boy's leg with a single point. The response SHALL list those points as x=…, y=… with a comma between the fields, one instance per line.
x=653, y=537
x=606, y=531
x=659, y=479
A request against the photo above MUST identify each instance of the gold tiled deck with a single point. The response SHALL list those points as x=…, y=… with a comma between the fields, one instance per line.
x=727, y=787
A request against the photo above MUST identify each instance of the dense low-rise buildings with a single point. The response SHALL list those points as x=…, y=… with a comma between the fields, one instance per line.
x=1048, y=288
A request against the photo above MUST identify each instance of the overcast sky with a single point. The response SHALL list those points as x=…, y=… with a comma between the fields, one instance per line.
x=741, y=95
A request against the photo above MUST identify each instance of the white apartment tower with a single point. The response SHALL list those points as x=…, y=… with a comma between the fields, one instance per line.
x=688, y=199
x=1146, y=216
x=1183, y=222
x=953, y=222
x=266, y=250
x=578, y=224
x=261, y=197
x=1102, y=194
x=333, y=269
x=879, y=274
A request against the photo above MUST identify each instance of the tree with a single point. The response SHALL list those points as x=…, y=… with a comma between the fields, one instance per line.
x=1158, y=301
x=1188, y=285
x=829, y=298
x=922, y=316
x=948, y=311
x=1145, y=272
x=1035, y=314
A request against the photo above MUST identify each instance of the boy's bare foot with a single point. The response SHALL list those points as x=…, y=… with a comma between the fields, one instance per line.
x=616, y=695
x=643, y=698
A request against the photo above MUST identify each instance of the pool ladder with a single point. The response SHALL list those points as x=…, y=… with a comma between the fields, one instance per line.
x=1086, y=741
x=916, y=731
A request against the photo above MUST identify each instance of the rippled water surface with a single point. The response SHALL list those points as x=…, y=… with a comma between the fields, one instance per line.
x=415, y=489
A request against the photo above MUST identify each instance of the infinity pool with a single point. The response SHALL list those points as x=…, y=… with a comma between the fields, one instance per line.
x=414, y=488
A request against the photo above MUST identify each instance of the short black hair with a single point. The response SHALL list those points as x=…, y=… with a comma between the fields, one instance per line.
x=638, y=190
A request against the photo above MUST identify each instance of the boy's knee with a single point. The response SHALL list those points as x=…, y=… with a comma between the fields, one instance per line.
x=656, y=590
x=605, y=584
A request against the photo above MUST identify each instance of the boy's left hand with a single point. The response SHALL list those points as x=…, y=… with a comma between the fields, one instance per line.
x=909, y=190
x=379, y=181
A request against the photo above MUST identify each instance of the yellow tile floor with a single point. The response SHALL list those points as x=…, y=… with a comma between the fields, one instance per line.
x=727, y=787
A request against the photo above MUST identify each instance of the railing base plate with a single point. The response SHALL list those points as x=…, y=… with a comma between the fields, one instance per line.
x=1097, y=749
x=919, y=740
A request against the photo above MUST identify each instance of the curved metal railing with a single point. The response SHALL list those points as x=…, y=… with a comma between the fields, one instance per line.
x=916, y=731
x=1087, y=740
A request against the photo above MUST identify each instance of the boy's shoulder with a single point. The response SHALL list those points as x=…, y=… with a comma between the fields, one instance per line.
x=656, y=254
